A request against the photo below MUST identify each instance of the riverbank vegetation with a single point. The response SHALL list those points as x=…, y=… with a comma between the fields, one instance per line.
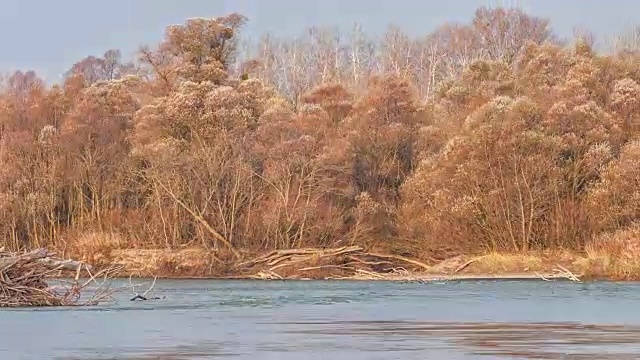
x=490, y=137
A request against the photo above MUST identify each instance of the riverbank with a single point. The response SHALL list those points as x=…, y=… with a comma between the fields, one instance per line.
x=356, y=264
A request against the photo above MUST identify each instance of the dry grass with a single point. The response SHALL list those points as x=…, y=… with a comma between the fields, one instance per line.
x=95, y=247
x=615, y=255
x=501, y=263
x=609, y=257
x=193, y=262
x=106, y=249
x=508, y=263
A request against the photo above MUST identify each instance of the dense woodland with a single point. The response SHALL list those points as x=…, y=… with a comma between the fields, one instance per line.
x=489, y=135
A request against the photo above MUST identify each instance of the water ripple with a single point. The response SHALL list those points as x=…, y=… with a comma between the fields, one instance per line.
x=529, y=340
x=341, y=320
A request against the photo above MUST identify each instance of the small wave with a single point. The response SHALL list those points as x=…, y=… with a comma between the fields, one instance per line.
x=530, y=340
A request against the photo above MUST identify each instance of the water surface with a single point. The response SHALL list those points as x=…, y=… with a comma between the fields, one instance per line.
x=303, y=320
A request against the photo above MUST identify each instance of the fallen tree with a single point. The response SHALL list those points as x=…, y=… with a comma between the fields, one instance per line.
x=346, y=261
x=353, y=262
x=23, y=280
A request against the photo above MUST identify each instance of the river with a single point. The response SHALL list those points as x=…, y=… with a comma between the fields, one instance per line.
x=304, y=320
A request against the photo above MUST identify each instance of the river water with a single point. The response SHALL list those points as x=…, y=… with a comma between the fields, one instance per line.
x=303, y=320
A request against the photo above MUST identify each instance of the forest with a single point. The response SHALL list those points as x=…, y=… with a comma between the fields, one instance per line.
x=494, y=135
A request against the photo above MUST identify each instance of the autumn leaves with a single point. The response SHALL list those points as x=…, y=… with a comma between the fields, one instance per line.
x=484, y=135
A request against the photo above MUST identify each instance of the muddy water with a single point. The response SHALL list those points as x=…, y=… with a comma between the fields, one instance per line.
x=339, y=320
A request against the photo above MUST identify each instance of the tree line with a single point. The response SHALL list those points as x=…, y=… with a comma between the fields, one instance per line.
x=489, y=135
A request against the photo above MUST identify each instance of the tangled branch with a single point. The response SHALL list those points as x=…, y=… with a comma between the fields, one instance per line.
x=23, y=281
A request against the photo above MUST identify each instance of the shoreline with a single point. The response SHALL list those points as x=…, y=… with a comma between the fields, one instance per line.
x=356, y=264
x=419, y=278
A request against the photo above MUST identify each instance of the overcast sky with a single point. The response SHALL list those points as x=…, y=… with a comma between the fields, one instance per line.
x=49, y=36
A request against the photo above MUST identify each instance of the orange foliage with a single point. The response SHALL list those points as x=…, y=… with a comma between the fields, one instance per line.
x=486, y=135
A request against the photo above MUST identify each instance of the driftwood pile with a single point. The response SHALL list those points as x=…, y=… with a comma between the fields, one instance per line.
x=23, y=280
x=353, y=262
x=347, y=261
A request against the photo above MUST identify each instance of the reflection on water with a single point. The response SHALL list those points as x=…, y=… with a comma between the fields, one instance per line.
x=527, y=340
x=339, y=320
